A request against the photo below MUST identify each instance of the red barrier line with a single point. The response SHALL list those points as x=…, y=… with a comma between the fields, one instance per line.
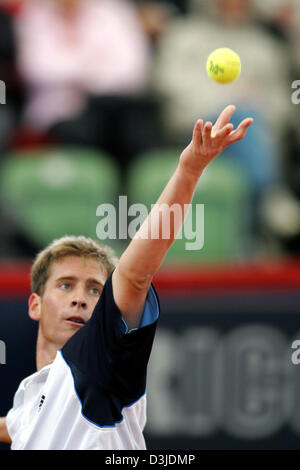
x=15, y=277
x=265, y=276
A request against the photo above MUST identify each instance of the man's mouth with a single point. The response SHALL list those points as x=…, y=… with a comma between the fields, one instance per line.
x=77, y=321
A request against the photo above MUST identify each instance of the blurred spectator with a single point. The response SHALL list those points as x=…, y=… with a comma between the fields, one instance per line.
x=282, y=19
x=263, y=89
x=281, y=16
x=180, y=75
x=180, y=7
x=155, y=17
x=281, y=207
x=73, y=53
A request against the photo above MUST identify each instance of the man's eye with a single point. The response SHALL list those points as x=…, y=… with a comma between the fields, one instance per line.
x=95, y=291
x=65, y=286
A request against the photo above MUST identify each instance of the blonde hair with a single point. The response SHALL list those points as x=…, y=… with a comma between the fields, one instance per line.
x=69, y=245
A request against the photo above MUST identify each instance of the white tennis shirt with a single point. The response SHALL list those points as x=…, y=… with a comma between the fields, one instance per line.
x=93, y=395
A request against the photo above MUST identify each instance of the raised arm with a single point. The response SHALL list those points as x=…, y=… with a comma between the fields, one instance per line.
x=144, y=255
x=4, y=436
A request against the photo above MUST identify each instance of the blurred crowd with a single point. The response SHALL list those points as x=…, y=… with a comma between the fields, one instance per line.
x=128, y=76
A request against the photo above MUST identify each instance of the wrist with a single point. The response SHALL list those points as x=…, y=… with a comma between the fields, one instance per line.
x=188, y=171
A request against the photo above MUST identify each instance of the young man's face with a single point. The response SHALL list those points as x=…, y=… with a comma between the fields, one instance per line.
x=71, y=293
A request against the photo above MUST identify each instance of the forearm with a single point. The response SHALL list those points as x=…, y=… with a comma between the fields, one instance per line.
x=148, y=248
x=4, y=436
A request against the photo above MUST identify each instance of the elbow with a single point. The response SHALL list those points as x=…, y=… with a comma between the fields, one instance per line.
x=137, y=281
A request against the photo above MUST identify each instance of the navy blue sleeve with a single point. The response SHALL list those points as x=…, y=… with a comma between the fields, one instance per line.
x=108, y=364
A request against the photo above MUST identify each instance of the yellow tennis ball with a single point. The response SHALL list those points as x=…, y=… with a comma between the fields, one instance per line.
x=223, y=65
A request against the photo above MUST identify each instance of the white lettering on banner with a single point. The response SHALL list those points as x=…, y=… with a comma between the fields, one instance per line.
x=2, y=92
x=2, y=352
x=202, y=382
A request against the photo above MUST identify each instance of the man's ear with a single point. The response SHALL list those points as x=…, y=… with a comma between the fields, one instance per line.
x=34, y=307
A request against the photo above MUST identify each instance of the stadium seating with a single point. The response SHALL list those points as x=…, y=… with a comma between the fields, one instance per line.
x=56, y=191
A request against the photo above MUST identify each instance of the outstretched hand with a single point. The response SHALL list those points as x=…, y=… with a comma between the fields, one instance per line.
x=210, y=140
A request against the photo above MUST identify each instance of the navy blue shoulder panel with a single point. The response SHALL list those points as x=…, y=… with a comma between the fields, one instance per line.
x=109, y=367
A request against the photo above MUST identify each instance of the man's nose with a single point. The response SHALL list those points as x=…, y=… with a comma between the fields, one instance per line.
x=79, y=300
x=79, y=303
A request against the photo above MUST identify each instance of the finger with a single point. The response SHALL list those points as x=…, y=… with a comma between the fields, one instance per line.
x=197, y=133
x=224, y=117
x=241, y=129
x=224, y=132
x=240, y=132
x=207, y=137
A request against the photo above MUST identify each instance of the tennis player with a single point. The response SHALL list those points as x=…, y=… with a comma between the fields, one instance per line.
x=97, y=320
